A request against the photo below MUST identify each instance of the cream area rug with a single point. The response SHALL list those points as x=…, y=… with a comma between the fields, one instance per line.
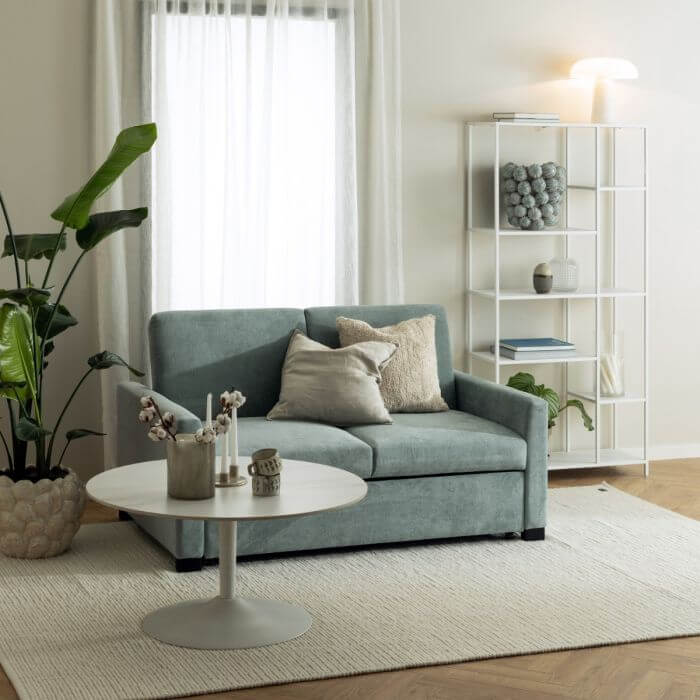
x=612, y=569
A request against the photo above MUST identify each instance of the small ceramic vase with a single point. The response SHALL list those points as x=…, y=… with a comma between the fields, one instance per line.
x=191, y=468
x=542, y=278
x=564, y=274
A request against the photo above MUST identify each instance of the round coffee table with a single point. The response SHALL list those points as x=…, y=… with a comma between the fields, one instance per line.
x=228, y=621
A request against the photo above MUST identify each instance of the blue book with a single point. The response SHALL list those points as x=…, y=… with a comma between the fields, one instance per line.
x=535, y=344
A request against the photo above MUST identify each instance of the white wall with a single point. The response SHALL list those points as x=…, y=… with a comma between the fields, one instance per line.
x=463, y=59
x=44, y=155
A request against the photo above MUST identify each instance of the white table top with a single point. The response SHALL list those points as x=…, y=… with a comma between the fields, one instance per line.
x=306, y=488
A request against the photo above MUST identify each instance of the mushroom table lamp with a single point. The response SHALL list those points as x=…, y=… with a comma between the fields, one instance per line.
x=603, y=71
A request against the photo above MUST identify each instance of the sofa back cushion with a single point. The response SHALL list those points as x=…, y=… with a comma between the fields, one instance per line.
x=195, y=352
x=320, y=326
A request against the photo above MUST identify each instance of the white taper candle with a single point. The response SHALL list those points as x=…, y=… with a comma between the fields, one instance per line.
x=233, y=431
x=208, y=425
x=224, y=457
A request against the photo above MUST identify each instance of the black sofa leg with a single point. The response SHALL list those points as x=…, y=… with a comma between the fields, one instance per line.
x=123, y=515
x=188, y=564
x=533, y=534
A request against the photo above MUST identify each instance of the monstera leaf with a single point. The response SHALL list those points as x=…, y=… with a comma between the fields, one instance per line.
x=32, y=246
x=131, y=143
x=16, y=357
x=102, y=225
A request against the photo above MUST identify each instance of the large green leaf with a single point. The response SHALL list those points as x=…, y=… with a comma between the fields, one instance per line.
x=522, y=381
x=32, y=246
x=102, y=225
x=107, y=359
x=62, y=320
x=131, y=143
x=29, y=296
x=587, y=420
x=552, y=399
x=81, y=433
x=16, y=359
x=28, y=430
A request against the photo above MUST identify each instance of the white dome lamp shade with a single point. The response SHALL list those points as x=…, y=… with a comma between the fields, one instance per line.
x=603, y=71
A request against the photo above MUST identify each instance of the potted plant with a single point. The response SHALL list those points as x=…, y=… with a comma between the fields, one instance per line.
x=41, y=504
x=524, y=381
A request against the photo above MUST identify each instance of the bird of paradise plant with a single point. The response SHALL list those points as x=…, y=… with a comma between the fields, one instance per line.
x=31, y=315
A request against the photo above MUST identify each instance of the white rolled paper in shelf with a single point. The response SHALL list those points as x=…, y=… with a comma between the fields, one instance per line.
x=611, y=376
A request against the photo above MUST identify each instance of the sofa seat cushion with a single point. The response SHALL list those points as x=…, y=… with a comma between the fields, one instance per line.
x=313, y=442
x=454, y=442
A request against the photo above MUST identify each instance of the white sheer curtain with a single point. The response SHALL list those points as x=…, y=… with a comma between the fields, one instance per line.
x=122, y=263
x=378, y=155
x=255, y=178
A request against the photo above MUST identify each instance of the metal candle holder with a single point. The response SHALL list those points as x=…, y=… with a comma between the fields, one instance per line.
x=232, y=477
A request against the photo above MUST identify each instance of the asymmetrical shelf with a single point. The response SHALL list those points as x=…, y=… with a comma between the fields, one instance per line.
x=600, y=233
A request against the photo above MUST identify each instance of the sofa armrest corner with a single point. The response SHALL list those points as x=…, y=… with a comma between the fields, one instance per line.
x=524, y=414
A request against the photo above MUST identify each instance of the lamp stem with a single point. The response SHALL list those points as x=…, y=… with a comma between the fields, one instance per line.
x=603, y=102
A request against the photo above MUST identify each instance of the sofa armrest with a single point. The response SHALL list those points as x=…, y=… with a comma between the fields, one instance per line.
x=524, y=414
x=133, y=445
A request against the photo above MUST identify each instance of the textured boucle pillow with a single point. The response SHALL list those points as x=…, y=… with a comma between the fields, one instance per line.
x=339, y=387
x=410, y=382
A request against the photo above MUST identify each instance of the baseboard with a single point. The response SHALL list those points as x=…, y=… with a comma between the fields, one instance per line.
x=685, y=450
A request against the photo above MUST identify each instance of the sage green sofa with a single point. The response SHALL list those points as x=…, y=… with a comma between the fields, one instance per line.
x=479, y=468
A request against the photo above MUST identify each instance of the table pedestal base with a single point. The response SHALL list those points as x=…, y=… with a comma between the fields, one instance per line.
x=227, y=621
x=221, y=623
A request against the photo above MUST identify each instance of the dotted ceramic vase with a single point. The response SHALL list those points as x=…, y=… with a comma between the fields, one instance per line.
x=40, y=519
x=564, y=274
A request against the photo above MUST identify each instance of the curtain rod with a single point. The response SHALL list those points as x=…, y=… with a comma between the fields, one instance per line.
x=257, y=9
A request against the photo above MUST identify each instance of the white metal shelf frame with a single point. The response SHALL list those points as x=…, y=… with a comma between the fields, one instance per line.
x=569, y=459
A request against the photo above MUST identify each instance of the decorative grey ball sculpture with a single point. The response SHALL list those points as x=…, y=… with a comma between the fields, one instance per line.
x=533, y=194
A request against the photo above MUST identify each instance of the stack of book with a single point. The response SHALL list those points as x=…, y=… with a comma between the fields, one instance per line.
x=525, y=117
x=535, y=349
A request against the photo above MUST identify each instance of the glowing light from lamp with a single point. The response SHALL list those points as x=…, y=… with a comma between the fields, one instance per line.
x=603, y=70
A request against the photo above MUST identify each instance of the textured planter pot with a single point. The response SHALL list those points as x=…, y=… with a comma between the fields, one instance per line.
x=40, y=519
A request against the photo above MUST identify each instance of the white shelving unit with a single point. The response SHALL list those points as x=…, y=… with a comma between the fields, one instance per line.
x=567, y=458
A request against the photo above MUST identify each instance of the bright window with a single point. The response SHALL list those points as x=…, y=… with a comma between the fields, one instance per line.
x=246, y=210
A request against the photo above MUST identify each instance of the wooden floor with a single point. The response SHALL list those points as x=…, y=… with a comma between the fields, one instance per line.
x=663, y=670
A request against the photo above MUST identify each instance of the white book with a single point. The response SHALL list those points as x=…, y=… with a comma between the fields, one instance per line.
x=526, y=116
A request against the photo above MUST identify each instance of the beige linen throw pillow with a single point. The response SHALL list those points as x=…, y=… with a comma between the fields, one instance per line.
x=410, y=382
x=340, y=387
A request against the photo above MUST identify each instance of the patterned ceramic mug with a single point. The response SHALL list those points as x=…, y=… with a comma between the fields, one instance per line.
x=265, y=462
x=266, y=485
